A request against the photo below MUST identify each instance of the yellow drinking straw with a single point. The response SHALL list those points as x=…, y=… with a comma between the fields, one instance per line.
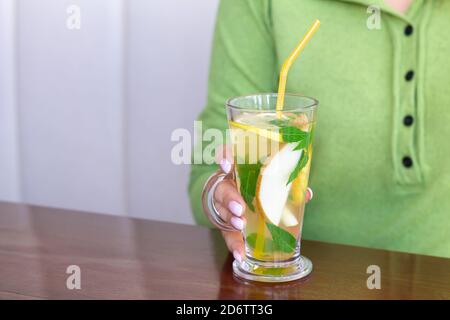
x=259, y=245
x=288, y=62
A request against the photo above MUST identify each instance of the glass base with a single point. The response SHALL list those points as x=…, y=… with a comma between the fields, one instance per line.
x=254, y=270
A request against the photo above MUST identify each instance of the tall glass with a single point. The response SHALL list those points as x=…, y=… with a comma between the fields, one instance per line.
x=272, y=153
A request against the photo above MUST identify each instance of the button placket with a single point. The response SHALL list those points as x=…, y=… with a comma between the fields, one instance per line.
x=410, y=173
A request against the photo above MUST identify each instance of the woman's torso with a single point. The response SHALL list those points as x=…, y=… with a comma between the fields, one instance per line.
x=381, y=164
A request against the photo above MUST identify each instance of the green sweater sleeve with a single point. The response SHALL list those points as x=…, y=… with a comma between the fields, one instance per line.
x=242, y=62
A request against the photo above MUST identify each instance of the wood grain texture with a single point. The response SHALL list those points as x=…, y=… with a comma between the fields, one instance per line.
x=124, y=258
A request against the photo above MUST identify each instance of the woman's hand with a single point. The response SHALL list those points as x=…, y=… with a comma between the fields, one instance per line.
x=230, y=204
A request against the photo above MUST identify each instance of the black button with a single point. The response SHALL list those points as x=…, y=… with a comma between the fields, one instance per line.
x=407, y=162
x=409, y=30
x=408, y=120
x=409, y=75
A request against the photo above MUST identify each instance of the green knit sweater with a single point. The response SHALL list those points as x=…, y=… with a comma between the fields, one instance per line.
x=381, y=166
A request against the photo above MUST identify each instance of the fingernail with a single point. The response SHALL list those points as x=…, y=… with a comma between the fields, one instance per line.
x=237, y=256
x=237, y=223
x=225, y=165
x=235, y=208
x=311, y=194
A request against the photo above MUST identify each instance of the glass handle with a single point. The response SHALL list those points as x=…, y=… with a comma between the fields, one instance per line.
x=208, y=201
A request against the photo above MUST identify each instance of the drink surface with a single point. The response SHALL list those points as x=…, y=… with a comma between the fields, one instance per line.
x=272, y=153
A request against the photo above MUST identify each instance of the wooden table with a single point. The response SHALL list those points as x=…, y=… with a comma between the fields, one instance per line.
x=124, y=258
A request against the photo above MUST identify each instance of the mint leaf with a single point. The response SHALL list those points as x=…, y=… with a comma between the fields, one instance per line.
x=302, y=145
x=251, y=241
x=293, y=134
x=282, y=240
x=304, y=142
x=300, y=165
x=248, y=177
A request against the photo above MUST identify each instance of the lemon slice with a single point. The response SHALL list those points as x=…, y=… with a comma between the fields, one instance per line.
x=269, y=134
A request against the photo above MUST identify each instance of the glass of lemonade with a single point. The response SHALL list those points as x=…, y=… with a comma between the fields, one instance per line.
x=272, y=153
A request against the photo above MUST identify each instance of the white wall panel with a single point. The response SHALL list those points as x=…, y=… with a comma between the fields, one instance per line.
x=168, y=58
x=9, y=155
x=86, y=115
x=70, y=105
